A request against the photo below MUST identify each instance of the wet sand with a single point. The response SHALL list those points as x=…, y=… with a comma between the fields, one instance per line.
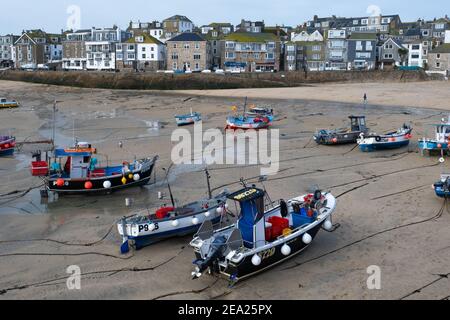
x=387, y=211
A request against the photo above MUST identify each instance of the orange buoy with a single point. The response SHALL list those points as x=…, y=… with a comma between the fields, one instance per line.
x=88, y=185
x=60, y=182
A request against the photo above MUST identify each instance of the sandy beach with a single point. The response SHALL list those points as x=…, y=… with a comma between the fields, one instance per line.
x=387, y=212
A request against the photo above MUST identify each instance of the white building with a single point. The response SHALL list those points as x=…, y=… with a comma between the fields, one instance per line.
x=447, y=36
x=415, y=53
x=101, y=50
x=305, y=36
x=142, y=52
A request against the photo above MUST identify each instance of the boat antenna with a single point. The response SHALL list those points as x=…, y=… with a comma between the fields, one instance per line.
x=245, y=105
x=54, y=125
x=168, y=185
x=261, y=180
x=208, y=182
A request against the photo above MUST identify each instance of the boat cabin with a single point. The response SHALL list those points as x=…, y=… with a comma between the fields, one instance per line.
x=442, y=131
x=79, y=161
x=357, y=123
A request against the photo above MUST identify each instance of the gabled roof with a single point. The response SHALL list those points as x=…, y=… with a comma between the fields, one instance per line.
x=251, y=37
x=178, y=17
x=187, y=36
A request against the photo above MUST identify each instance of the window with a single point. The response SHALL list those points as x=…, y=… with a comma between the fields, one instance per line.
x=131, y=56
x=438, y=56
x=316, y=56
x=118, y=47
x=388, y=46
x=271, y=45
x=355, y=21
x=144, y=56
x=316, y=48
x=369, y=46
x=364, y=21
x=174, y=45
x=229, y=55
x=256, y=56
x=215, y=51
x=214, y=43
x=290, y=48
x=359, y=46
x=197, y=45
x=229, y=44
x=363, y=55
x=174, y=56
x=214, y=34
x=197, y=66
x=388, y=55
x=438, y=64
x=425, y=33
x=425, y=43
x=186, y=46
x=131, y=47
x=152, y=56
x=416, y=47
x=197, y=57
x=143, y=49
x=385, y=20
x=174, y=66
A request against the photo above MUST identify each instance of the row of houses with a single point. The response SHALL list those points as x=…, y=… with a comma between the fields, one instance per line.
x=329, y=43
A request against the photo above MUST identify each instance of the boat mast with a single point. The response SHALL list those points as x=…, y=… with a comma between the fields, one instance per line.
x=208, y=183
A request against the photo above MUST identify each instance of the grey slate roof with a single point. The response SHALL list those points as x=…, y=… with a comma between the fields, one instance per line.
x=188, y=36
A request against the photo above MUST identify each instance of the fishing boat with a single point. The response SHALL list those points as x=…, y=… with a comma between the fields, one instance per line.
x=187, y=119
x=261, y=238
x=7, y=145
x=442, y=187
x=392, y=140
x=81, y=173
x=248, y=121
x=171, y=221
x=5, y=103
x=440, y=144
x=342, y=135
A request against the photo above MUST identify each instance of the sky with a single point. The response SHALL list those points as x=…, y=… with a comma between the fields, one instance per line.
x=53, y=15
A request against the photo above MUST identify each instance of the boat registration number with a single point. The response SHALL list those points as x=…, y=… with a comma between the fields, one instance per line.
x=146, y=227
x=267, y=253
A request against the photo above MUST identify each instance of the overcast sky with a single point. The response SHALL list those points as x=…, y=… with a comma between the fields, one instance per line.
x=52, y=16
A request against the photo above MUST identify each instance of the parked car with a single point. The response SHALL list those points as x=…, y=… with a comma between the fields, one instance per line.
x=220, y=71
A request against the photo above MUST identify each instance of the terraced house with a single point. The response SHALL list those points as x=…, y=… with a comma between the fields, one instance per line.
x=141, y=52
x=336, y=49
x=74, y=49
x=188, y=52
x=306, y=51
x=362, y=53
x=439, y=59
x=251, y=52
x=214, y=33
x=36, y=47
x=101, y=49
x=6, y=44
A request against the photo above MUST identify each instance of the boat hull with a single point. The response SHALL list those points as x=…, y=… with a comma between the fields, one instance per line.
x=432, y=145
x=272, y=257
x=77, y=186
x=6, y=152
x=149, y=239
x=187, y=120
x=383, y=145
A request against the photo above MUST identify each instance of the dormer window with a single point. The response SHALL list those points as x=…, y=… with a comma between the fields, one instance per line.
x=139, y=39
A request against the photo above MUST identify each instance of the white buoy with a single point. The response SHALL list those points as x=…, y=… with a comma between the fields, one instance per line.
x=286, y=250
x=136, y=177
x=219, y=210
x=328, y=225
x=256, y=260
x=207, y=214
x=306, y=238
x=226, y=206
x=152, y=227
x=175, y=223
x=441, y=160
x=195, y=221
x=107, y=184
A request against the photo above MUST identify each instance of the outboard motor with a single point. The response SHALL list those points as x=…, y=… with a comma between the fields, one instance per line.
x=216, y=251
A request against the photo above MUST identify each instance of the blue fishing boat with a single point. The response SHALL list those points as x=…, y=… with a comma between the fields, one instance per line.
x=171, y=221
x=7, y=145
x=442, y=187
x=440, y=143
x=248, y=120
x=392, y=140
x=5, y=103
x=187, y=119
